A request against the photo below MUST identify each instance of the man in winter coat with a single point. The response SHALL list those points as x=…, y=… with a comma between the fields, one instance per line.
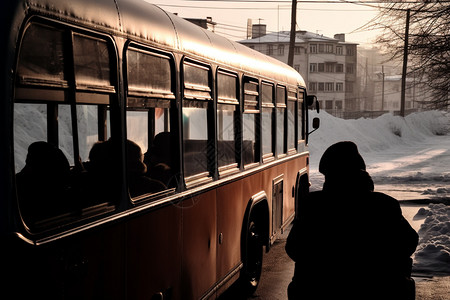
x=349, y=242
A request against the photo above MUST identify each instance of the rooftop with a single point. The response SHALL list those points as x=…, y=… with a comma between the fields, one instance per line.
x=300, y=37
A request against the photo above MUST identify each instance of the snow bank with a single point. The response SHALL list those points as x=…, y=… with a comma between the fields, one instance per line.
x=375, y=135
x=433, y=252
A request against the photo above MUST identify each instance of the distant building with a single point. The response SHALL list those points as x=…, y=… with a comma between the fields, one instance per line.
x=328, y=65
x=387, y=94
x=381, y=85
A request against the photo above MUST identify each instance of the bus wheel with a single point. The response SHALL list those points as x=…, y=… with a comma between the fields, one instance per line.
x=254, y=258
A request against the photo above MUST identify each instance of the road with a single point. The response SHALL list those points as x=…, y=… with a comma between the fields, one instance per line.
x=277, y=272
x=417, y=172
x=278, y=269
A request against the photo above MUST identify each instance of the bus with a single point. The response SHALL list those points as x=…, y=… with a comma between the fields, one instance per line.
x=142, y=157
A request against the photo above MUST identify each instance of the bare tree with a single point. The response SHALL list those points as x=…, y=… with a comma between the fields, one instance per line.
x=429, y=42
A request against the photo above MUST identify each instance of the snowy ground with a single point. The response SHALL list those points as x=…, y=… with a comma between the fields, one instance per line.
x=408, y=159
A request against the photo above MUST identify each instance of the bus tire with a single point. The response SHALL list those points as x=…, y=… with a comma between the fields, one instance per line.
x=254, y=257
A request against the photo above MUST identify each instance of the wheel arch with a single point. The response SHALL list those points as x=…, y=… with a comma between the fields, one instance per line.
x=258, y=209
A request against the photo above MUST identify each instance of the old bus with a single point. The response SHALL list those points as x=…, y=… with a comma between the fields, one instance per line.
x=142, y=157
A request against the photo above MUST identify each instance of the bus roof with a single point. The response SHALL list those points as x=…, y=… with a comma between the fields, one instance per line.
x=147, y=22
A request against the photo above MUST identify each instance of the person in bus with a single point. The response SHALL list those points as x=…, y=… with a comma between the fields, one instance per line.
x=44, y=183
x=139, y=184
x=349, y=242
x=102, y=170
x=159, y=159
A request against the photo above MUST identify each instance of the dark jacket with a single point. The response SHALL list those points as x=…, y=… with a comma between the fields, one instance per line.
x=349, y=242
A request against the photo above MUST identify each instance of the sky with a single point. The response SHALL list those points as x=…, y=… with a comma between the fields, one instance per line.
x=323, y=18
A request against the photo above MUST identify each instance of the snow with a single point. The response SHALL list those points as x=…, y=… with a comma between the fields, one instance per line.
x=433, y=253
x=408, y=158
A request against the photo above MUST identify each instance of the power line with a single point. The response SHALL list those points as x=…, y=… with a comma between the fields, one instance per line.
x=258, y=8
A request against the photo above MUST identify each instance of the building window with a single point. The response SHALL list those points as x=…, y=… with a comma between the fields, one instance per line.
x=269, y=49
x=329, y=48
x=321, y=86
x=339, y=50
x=329, y=104
x=280, y=49
x=313, y=67
x=313, y=86
x=329, y=86
x=321, y=48
x=297, y=68
x=329, y=68
x=350, y=50
x=313, y=48
x=338, y=104
x=339, y=68
x=298, y=50
x=339, y=87
x=321, y=67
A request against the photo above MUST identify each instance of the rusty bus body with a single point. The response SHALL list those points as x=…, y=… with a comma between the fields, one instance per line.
x=207, y=227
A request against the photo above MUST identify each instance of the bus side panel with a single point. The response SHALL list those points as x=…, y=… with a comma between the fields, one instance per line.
x=292, y=168
x=154, y=254
x=268, y=177
x=199, y=245
x=230, y=214
x=87, y=266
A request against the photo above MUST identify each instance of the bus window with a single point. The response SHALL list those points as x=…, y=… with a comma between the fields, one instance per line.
x=301, y=118
x=197, y=104
x=250, y=133
x=151, y=154
x=44, y=65
x=59, y=114
x=91, y=60
x=227, y=109
x=88, y=135
x=281, y=120
x=291, y=113
x=268, y=117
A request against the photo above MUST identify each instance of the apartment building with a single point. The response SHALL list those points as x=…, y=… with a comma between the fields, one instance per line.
x=328, y=65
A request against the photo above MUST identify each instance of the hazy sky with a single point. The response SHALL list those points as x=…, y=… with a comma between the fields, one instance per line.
x=323, y=18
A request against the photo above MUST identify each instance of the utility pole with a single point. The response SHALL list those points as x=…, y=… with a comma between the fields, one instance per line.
x=405, y=65
x=382, y=88
x=292, y=35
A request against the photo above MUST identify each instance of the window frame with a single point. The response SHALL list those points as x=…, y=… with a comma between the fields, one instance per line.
x=226, y=102
x=67, y=91
x=268, y=106
x=281, y=109
x=292, y=98
x=251, y=106
x=203, y=100
x=147, y=100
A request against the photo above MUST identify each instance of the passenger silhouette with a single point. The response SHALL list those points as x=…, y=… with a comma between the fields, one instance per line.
x=99, y=184
x=159, y=160
x=139, y=184
x=43, y=184
x=349, y=242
